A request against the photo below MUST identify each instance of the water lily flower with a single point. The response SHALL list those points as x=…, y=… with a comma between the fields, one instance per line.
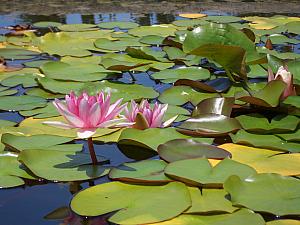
x=144, y=116
x=284, y=75
x=87, y=113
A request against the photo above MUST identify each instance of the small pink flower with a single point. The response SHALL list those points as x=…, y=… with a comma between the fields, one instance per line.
x=88, y=113
x=153, y=116
x=284, y=75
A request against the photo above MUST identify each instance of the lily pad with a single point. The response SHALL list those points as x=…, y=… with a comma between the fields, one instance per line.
x=238, y=217
x=119, y=24
x=152, y=39
x=181, y=149
x=46, y=112
x=192, y=73
x=45, y=24
x=209, y=201
x=283, y=222
x=21, y=102
x=159, y=30
x=199, y=172
x=77, y=27
x=45, y=142
x=16, y=53
x=61, y=165
x=136, y=204
x=78, y=72
x=264, y=141
x=147, y=171
x=264, y=160
x=260, y=124
x=257, y=192
x=269, y=96
x=210, y=125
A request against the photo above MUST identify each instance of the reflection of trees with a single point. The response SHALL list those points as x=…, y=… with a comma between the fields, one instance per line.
x=27, y=18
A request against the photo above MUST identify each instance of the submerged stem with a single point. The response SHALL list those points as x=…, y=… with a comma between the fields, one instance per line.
x=92, y=151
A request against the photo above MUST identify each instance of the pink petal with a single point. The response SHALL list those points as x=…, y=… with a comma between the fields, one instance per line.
x=84, y=110
x=95, y=114
x=70, y=117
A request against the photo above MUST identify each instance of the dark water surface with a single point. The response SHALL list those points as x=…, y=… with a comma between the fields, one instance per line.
x=30, y=204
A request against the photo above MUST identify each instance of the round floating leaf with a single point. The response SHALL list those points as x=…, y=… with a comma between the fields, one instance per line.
x=152, y=40
x=220, y=106
x=291, y=136
x=189, y=23
x=77, y=27
x=42, y=93
x=209, y=201
x=16, y=53
x=40, y=113
x=279, y=39
x=147, y=171
x=238, y=217
x=60, y=87
x=192, y=73
x=119, y=24
x=26, y=80
x=119, y=45
x=45, y=24
x=36, y=63
x=179, y=95
x=223, y=19
x=264, y=160
x=63, y=44
x=271, y=193
x=44, y=142
x=146, y=53
x=148, y=137
x=10, y=172
x=292, y=100
x=180, y=149
x=283, y=222
x=293, y=27
x=269, y=96
x=159, y=30
x=7, y=123
x=23, y=102
x=78, y=72
x=61, y=165
x=264, y=141
x=260, y=124
x=199, y=171
x=192, y=15
x=210, y=125
x=136, y=204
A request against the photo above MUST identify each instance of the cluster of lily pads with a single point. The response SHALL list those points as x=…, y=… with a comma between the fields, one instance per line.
x=232, y=152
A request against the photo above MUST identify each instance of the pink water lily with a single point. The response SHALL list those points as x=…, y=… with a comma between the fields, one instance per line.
x=88, y=113
x=284, y=75
x=152, y=116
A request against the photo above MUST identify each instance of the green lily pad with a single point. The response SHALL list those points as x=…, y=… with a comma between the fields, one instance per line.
x=179, y=95
x=36, y=63
x=142, y=144
x=192, y=73
x=293, y=27
x=256, y=71
x=264, y=141
x=180, y=149
x=147, y=171
x=269, y=96
x=7, y=123
x=16, y=53
x=258, y=193
x=199, y=172
x=135, y=204
x=91, y=34
x=295, y=137
x=63, y=44
x=238, y=217
x=260, y=124
x=283, y=222
x=78, y=72
x=12, y=172
x=26, y=80
x=45, y=24
x=21, y=102
x=59, y=87
x=40, y=113
x=118, y=45
x=45, y=142
x=279, y=39
x=210, y=125
x=78, y=27
x=119, y=24
x=220, y=106
x=146, y=53
x=38, y=92
x=209, y=201
x=189, y=23
x=265, y=160
x=159, y=30
x=152, y=40
x=61, y=165
x=223, y=19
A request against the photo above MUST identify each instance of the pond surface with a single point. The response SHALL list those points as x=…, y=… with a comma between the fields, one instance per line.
x=29, y=205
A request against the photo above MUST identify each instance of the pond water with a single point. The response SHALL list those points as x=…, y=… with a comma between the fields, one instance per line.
x=28, y=205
